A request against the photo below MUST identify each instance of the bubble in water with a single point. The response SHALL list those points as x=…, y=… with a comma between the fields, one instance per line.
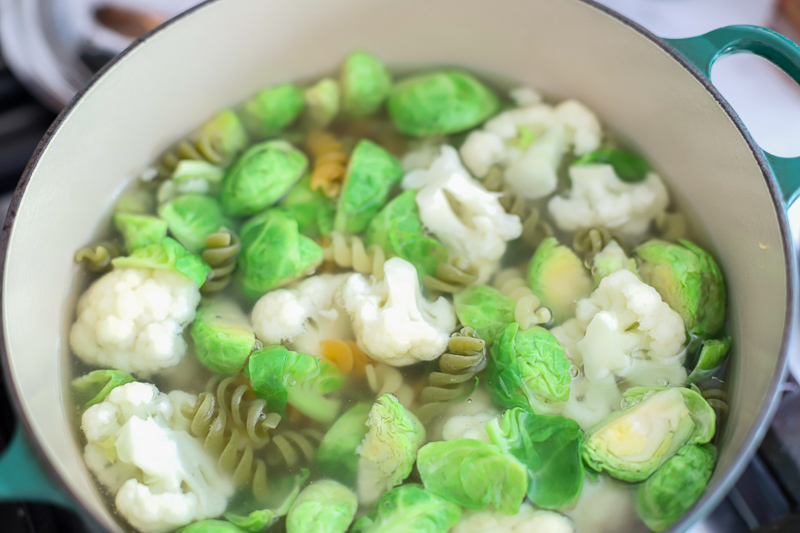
x=625, y=403
x=469, y=400
x=574, y=371
x=293, y=383
x=663, y=382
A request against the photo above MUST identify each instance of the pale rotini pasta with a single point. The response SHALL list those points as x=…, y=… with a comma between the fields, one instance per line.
x=384, y=379
x=330, y=162
x=452, y=276
x=465, y=357
x=97, y=257
x=528, y=311
x=222, y=250
x=345, y=355
x=292, y=447
x=589, y=241
x=534, y=228
x=349, y=251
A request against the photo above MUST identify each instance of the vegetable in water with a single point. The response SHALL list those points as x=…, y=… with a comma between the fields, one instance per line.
x=273, y=109
x=322, y=103
x=224, y=135
x=281, y=376
x=323, y=507
x=365, y=84
x=336, y=456
x=167, y=255
x=674, y=488
x=274, y=253
x=140, y=230
x=192, y=218
x=211, y=526
x=628, y=167
x=485, y=309
x=558, y=278
x=527, y=520
x=473, y=474
x=689, y=280
x=550, y=447
x=371, y=175
x=409, y=508
x=609, y=260
x=95, y=386
x=223, y=338
x=712, y=354
x=312, y=210
x=528, y=369
x=287, y=490
x=440, y=103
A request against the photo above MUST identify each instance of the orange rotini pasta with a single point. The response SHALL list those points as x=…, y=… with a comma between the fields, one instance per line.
x=346, y=356
x=330, y=162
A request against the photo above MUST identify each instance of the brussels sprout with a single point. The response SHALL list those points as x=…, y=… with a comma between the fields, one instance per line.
x=630, y=444
x=274, y=253
x=167, y=255
x=550, y=447
x=95, y=386
x=312, y=210
x=398, y=230
x=528, y=369
x=280, y=376
x=194, y=169
x=689, y=280
x=371, y=174
x=473, y=474
x=627, y=166
x=712, y=355
x=259, y=178
x=136, y=202
x=389, y=449
x=260, y=520
x=223, y=338
x=272, y=109
x=140, y=230
x=409, y=508
x=609, y=260
x=225, y=135
x=336, y=456
x=210, y=526
x=365, y=84
x=193, y=217
x=440, y=103
x=322, y=103
x=558, y=278
x=484, y=309
x=674, y=488
x=323, y=507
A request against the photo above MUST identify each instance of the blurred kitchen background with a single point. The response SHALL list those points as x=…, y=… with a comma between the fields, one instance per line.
x=50, y=48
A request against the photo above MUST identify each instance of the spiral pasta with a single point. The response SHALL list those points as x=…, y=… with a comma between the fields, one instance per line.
x=589, y=241
x=290, y=446
x=345, y=355
x=671, y=226
x=349, y=251
x=384, y=379
x=534, y=229
x=222, y=250
x=528, y=310
x=452, y=276
x=97, y=257
x=466, y=356
x=330, y=162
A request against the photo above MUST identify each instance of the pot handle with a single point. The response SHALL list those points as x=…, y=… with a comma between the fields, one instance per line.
x=702, y=51
x=22, y=477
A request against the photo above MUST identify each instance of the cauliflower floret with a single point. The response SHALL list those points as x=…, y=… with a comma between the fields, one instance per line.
x=132, y=319
x=525, y=96
x=303, y=315
x=468, y=427
x=623, y=320
x=466, y=218
x=162, y=476
x=605, y=506
x=591, y=401
x=583, y=128
x=599, y=198
x=392, y=322
x=527, y=520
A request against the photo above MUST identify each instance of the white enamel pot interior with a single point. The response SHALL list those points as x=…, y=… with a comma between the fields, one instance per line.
x=224, y=51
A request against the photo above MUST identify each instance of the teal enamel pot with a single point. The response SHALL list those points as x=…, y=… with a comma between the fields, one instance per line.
x=656, y=92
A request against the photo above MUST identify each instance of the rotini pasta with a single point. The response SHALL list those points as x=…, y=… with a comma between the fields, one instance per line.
x=97, y=257
x=671, y=226
x=466, y=356
x=222, y=250
x=349, y=251
x=290, y=447
x=452, y=276
x=528, y=311
x=330, y=162
x=534, y=229
x=345, y=355
x=384, y=379
x=589, y=241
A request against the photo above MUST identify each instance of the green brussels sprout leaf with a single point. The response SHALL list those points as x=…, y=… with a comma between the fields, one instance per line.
x=558, y=278
x=440, y=103
x=712, y=354
x=95, y=386
x=550, y=446
x=323, y=507
x=272, y=109
x=365, y=84
x=285, y=487
x=410, y=508
x=167, y=255
x=336, y=456
x=628, y=167
x=140, y=230
x=484, y=309
x=223, y=338
x=312, y=210
x=211, y=526
x=193, y=217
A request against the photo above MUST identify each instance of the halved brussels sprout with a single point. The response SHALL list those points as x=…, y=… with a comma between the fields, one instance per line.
x=260, y=177
x=632, y=443
x=272, y=109
x=95, y=386
x=225, y=135
x=628, y=167
x=312, y=210
x=409, y=508
x=558, y=278
x=336, y=456
x=140, y=230
x=193, y=217
x=689, y=280
x=484, y=309
x=712, y=354
x=285, y=489
x=323, y=507
x=440, y=103
x=223, y=338
x=674, y=488
x=365, y=84
x=322, y=103
x=167, y=255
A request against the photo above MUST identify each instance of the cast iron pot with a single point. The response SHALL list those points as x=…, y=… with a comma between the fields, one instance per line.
x=655, y=91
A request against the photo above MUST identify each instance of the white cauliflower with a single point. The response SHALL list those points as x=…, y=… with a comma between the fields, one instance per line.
x=623, y=320
x=599, y=198
x=468, y=427
x=132, y=319
x=303, y=315
x=527, y=520
x=605, y=506
x=465, y=217
x=590, y=401
x=525, y=96
x=530, y=142
x=392, y=322
x=161, y=476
